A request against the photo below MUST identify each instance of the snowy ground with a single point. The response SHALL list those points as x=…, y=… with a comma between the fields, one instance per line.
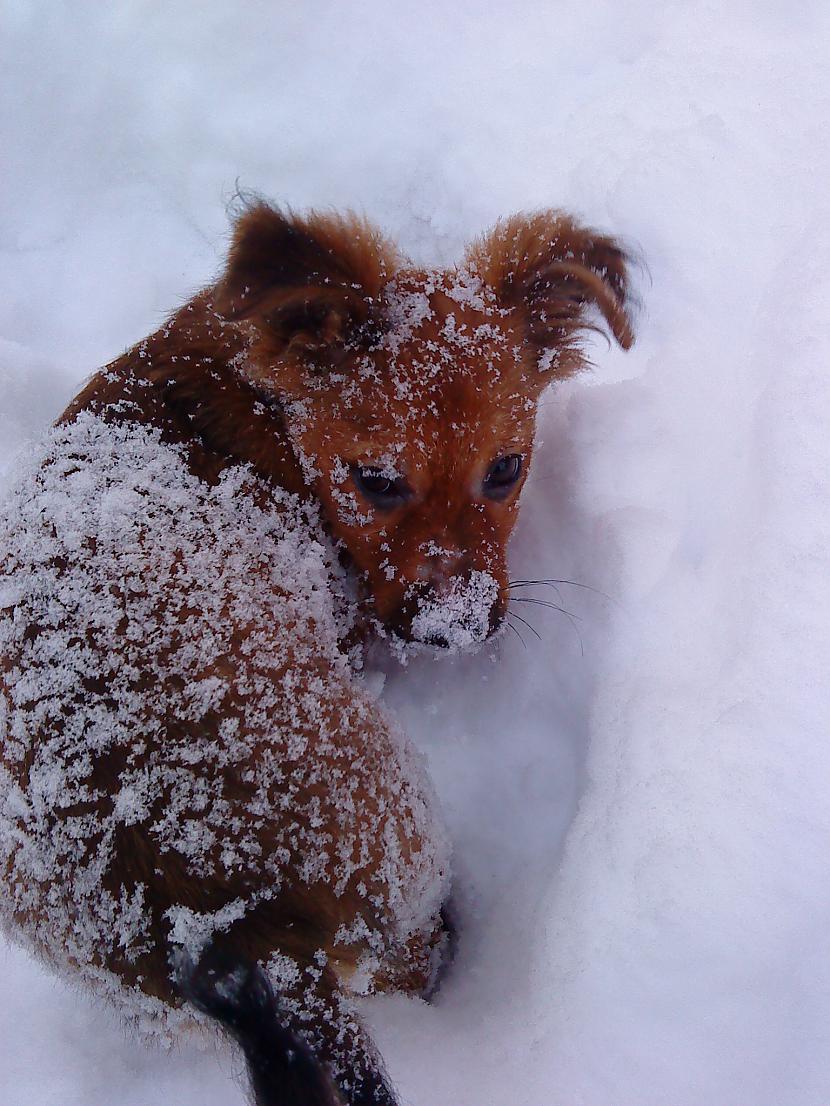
x=641, y=821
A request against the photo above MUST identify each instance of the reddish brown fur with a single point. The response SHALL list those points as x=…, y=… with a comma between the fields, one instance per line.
x=301, y=306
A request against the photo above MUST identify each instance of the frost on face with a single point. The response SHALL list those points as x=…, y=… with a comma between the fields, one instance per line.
x=349, y=508
x=410, y=308
x=460, y=615
x=173, y=699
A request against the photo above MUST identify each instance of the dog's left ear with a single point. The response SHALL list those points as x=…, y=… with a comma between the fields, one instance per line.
x=309, y=283
x=552, y=271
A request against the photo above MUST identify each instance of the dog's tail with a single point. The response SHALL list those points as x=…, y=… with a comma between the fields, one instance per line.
x=283, y=1070
x=239, y=995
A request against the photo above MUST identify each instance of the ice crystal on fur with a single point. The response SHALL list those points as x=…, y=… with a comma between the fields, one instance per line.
x=459, y=617
x=173, y=699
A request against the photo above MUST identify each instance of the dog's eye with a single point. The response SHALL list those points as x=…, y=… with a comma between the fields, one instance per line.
x=380, y=490
x=503, y=474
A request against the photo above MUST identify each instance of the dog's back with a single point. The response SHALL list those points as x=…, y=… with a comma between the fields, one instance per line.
x=187, y=758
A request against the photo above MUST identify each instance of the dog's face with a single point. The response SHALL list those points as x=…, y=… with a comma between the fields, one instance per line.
x=419, y=450
x=410, y=397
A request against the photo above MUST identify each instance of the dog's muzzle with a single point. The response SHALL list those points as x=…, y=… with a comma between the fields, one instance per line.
x=458, y=616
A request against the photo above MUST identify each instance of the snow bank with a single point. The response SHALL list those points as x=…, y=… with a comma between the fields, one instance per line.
x=641, y=831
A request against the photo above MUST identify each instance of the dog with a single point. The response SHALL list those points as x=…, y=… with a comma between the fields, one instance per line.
x=204, y=815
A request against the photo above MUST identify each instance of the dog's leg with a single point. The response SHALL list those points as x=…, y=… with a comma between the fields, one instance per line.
x=419, y=967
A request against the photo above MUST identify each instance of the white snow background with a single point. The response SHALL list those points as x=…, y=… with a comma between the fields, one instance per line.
x=641, y=823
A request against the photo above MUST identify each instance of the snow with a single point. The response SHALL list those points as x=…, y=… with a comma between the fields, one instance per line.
x=637, y=802
x=459, y=616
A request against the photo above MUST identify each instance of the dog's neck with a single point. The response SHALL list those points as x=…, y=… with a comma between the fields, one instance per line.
x=185, y=381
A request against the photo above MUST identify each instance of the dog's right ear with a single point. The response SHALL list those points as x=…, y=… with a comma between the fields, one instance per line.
x=310, y=283
x=552, y=271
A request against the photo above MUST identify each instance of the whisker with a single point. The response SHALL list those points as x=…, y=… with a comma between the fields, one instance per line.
x=554, y=584
x=572, y=618
x=524, y=620
x=516, y=632
x=544, y=603
x=531, y=583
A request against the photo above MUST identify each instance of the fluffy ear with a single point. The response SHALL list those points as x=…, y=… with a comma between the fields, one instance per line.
x=309, y=282
x=553, y=270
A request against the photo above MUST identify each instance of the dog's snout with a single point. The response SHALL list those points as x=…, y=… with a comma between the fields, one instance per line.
x=449, y=610
x=439, y=567
x=417, y=597
x=498, y=613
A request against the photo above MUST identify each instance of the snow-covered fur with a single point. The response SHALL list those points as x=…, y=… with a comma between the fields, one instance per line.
x=190, y=766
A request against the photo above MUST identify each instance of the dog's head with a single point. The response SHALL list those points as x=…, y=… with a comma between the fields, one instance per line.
x=410, y=396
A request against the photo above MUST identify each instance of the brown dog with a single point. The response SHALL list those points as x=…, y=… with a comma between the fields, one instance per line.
x=199, y=799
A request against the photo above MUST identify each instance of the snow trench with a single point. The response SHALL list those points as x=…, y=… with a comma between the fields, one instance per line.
x=637, y=803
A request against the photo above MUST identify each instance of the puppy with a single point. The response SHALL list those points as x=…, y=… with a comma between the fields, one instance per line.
x=203, y=813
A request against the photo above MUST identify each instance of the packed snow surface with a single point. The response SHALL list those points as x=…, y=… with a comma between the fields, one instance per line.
x=637, y=802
